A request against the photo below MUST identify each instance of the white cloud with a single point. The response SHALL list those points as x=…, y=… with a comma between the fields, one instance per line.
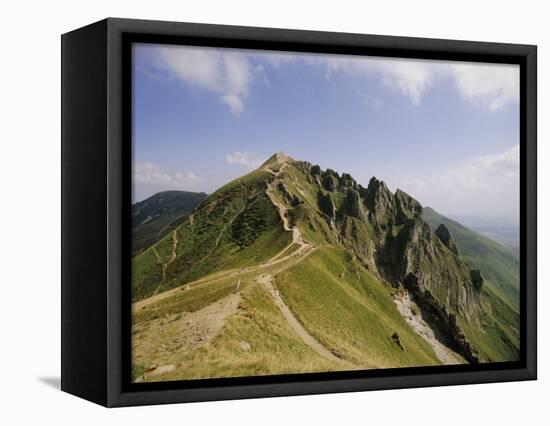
x=230, y=74
x=491, y=86
x=486, y=186
x=499, y=166
x=486, y=173
x=243, y=159
x=410, y=78
x=149, y=173
x=225, y=73
x=234, y=102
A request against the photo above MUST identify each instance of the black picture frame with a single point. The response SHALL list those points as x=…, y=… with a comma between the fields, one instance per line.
x=96, y=182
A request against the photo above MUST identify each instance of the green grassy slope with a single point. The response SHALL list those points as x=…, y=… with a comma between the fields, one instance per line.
x=353, y=317
x=338, y=271
x=275, y=347
x=496, y=337
x=496, y=262
x=350, y=311
x=237, y=226
x=157, y=215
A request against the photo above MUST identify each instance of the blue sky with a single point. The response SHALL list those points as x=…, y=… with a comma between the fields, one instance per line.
x=446, y=133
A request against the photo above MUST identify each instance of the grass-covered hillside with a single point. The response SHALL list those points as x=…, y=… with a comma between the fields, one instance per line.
x=296, y=269
x=155, y=216
x=237, y=226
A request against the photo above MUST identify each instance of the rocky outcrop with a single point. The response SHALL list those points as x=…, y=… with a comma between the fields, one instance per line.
x=404, y=244
x=386, y=234
x=442, y=232
x=379, y=202
x=395, y=338
x=315, y=170
x=440, y=320
x=477, y=279
x=324, y=201
x=346, y=181
x=407, y=207
x=351, y=206
x=439, y=270
x=330, y=180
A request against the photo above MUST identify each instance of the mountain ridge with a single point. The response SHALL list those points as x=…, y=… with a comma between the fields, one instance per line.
x=288, y=215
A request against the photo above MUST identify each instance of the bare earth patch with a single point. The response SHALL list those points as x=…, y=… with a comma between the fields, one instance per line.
x=155, y=343
x=410, y=312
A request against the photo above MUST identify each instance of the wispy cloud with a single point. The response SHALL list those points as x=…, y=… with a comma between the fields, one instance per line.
x=224, y=72
x=149, y=173
x=230, y=73
x=504, y=165
x=489, y=173
x=243, y=159
x=491, y=86
x=482, y=185
x=408, y=77
x=234, y=102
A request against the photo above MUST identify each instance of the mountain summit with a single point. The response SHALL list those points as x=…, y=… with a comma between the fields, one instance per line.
x=364, y=274
x=277, y=158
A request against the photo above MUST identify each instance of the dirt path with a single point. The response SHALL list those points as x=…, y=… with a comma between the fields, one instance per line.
x=275, y=173
x=303, y=251
x=308, y=339
x=410, y=312
x=159, y=339
x=283, y=251
x=283, y=214
x=293, y=258
x=157, y=255
x=175, y=242
x=164, y=265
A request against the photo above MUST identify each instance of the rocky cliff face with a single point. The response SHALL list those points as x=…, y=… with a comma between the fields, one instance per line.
x=477, y=279
x=385, y=231
x=445, y=237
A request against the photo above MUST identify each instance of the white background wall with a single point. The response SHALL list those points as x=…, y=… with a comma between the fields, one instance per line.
x=30, y=200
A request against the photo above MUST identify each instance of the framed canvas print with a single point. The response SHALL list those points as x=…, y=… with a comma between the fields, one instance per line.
x=253, y=212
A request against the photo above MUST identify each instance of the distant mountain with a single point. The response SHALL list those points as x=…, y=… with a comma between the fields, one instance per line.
x=504, y=232
x=291, y=268
x=498, y=263
x=153, y=218
x=506, y=236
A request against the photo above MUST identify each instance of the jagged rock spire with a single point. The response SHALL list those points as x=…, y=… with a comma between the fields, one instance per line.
x=477, y=279
x=442, y=232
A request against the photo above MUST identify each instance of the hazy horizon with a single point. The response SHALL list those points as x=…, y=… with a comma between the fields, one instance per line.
x=447, y=133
